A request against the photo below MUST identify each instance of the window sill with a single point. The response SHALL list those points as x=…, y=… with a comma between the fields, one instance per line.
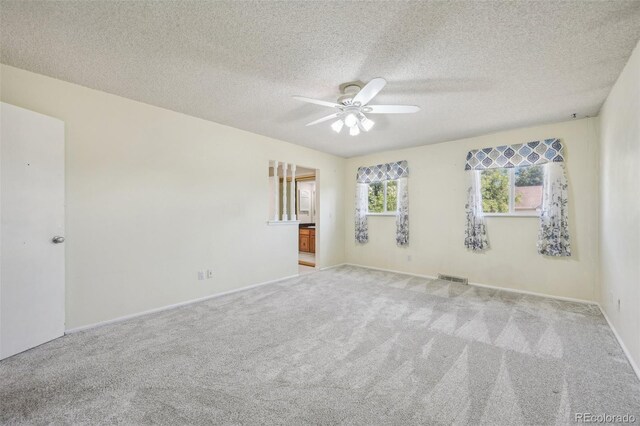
x=511, y=215
x=282, y=222
x=381, y=214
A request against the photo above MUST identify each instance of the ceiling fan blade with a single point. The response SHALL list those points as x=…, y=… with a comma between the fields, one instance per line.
x=392, y=109
x=317, y=101
x=320, y=120
x=368, y=92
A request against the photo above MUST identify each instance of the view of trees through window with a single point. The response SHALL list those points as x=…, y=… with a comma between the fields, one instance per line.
x=495, y=191
x=383, y=196
x=523, y=184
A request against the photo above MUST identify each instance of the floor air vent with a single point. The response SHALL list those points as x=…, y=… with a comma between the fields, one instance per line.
x=453, y=279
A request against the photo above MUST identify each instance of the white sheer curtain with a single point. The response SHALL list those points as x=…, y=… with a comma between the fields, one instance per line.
x=553, y=236
x=398, y=171
x=475, y=231
x=362, y=205
x=402, y=213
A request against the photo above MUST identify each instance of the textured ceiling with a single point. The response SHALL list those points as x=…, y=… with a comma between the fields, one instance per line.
x=473, y=67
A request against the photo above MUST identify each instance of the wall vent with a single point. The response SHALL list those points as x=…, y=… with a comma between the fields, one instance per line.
x=453, y=279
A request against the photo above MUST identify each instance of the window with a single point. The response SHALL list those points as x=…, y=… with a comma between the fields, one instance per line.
x=512, y=191
x=383, y=197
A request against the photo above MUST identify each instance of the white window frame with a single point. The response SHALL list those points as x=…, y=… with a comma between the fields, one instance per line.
x=511, y=173
x=385, y=212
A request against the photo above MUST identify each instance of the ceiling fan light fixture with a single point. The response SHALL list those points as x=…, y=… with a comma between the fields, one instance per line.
x=366, y=123
x=337, y=126
x=350, y=120
x=354, y=104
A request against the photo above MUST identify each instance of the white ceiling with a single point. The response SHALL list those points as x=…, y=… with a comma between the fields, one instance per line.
x=473, y=67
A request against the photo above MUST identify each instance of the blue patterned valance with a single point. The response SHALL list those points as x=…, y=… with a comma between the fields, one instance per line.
x=522, y=154
x=382, y=172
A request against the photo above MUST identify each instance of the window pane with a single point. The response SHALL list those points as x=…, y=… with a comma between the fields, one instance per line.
x=528, y=188
x=392, y=195
x=495, y=191
x=376, y=197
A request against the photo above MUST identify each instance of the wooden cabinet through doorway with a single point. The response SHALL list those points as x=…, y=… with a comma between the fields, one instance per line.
x=307, y=240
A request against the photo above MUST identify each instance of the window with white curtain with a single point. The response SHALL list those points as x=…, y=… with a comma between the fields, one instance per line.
x=383, y=197
x=383, y=189
x=519, y=179
x=514, y=191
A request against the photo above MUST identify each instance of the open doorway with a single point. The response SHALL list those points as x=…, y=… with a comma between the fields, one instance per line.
x=293, y=201
x=306, y=212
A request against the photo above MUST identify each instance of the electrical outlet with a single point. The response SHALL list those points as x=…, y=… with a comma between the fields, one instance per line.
x=618, y=305
x=409, y=258
x=201, y=275
x=209, y=273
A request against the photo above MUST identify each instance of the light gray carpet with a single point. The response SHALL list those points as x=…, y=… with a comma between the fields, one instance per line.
x=344, y=346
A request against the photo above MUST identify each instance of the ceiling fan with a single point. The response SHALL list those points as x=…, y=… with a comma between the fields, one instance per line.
x=354, y=104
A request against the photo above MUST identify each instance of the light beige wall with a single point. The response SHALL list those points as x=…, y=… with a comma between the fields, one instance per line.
x=437, y=195
x=153, y=196
x=620, y=205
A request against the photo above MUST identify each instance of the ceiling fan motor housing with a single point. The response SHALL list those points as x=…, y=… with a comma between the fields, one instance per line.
x=349, y=90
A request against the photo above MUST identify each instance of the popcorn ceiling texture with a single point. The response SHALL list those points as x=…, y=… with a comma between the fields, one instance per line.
x=474, y=67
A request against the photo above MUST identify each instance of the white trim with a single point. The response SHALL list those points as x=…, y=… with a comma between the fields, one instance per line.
x=189, y=302
x=173, y=306
x=282, y=222
x=512, y=190
x=634, y=366
x=533, y=293
x=536, y=215
x=513, y=212
x=512, y=290
x=333, y=266
x=391, y=270
x=384, y=203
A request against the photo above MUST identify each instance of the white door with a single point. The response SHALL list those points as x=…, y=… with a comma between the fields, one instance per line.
x=31, y=217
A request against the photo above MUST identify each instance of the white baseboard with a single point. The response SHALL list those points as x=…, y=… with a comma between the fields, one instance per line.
x=533, y=293
x=391, y=270
x=511, y=290
x=568, y=299
x=173, y=306
x=326, y=268
x=189, y=302
x=622, y=345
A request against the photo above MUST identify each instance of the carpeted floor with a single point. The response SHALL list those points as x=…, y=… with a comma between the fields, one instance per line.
x=343, y=346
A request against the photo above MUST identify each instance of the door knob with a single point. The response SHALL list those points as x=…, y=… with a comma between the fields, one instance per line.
x=57, y=240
